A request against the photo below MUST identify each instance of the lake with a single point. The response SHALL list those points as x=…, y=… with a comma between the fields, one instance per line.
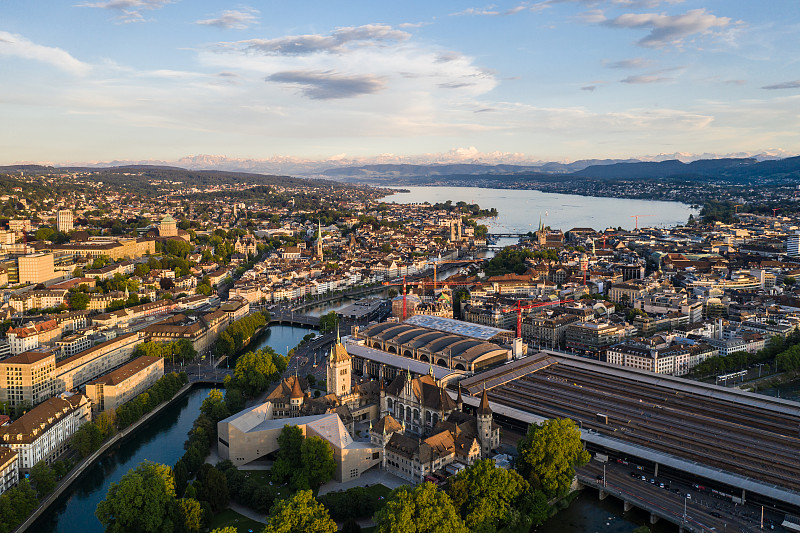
x=520, y=210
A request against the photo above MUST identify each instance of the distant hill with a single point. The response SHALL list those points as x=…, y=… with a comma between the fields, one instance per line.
x=460, y=169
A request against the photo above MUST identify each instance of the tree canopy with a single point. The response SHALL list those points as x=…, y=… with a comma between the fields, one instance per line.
x=143, y=500
x=484, y=495
x=548, y=455
x=300, y=514
x=422, y=509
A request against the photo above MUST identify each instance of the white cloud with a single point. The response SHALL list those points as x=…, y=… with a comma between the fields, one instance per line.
x=645, y=79
x=785, y=85
x=329, y=85
x=492, y=11
x=18, y=46
x=633, y=63
x=669, y=29
x=338, y=41
x=130, y=10
x=232, y=20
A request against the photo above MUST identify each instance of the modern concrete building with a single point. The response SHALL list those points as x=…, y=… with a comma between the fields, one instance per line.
x=125, y=383
x=36, y=268
x=64, y=221
x=251, y=434
x=72, y=372
x=43, y=433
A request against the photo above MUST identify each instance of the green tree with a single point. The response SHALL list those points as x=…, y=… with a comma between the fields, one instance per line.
x=316, y=455
x=214, y=406
x=350, y=526
x=423, y=509
x=78, y=301
x=254, y=370
x=484, y=494
x=548, y=455
x=300, y=514
x=87, y=439
x=289, y=457
x=191, y=514
x=328, y=322
x=143, y=500
x=229, y=529
x=215, y=490
x=43, y=478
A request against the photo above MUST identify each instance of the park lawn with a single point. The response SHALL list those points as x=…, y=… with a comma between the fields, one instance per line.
x=263, y=477
x=229, y=517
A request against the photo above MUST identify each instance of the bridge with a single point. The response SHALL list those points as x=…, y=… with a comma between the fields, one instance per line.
x=506, y=235
x=282, y=316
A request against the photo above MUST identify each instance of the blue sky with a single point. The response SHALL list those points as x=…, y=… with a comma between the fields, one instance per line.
x=136, y=80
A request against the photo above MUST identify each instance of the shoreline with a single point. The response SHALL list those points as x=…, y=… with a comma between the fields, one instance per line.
x=545, y=191
x=78, y=470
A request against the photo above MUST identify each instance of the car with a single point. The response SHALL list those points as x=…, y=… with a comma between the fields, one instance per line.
x=634, y=474
x=688, y=496
x=652, y=481
x=661, y=485
x=676, y=491
x=643, y=478
x=715, y=514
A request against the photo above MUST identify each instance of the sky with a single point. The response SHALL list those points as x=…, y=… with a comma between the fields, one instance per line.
x=546, y=80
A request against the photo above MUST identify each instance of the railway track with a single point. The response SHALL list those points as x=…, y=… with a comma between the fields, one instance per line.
x=758, y=443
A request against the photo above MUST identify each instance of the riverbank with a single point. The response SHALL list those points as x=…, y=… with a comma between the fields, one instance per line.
x=90, y=460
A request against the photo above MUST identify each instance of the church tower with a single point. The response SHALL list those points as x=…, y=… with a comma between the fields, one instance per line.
x=319, y=240
x=485, y=433
x=339, y=369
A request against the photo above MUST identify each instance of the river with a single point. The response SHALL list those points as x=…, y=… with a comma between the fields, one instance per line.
x=519, y=211
x=160, y=440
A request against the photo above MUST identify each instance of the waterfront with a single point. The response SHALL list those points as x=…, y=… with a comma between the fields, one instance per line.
x=589, y=514
x=160, y=440
x=519, y=210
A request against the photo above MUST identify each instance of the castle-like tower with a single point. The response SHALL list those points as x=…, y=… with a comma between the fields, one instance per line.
x=488, y=436
x=339, y=369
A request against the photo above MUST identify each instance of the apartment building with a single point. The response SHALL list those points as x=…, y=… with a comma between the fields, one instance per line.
x=72, y=372
x=43, y=433
x=36, y=268
x=27, y=378
x=592, y=338
x=9, y=468
x=125, y=383
x=672, y=360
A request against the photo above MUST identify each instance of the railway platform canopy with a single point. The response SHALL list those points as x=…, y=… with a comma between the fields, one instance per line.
x=749, y=485
x=737, y=438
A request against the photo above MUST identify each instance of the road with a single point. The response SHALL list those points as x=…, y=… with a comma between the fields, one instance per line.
x=671, y=501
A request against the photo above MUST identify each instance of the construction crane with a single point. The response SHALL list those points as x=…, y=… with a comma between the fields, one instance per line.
x=637, y=218
x=520, y=307
x=422, y=282
x=736, y=207
x=775, y=210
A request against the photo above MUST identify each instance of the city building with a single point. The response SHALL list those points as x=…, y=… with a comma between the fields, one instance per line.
x=673, y=360
x=125, y=383
x=592, y=338
x=81, y=368
x=250, y=435
x=64, y=222
x=27, y=338
x=9, y=468
x=44, y=432
x=36, y=268
x=167, y=227
x=27, y=378
x=793, y=244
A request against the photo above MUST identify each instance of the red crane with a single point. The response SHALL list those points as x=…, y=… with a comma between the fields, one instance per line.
x=520, y=307
x=775, y=210
x=637, y=218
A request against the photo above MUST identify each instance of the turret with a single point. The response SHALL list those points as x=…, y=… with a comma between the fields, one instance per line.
x=484, y=416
